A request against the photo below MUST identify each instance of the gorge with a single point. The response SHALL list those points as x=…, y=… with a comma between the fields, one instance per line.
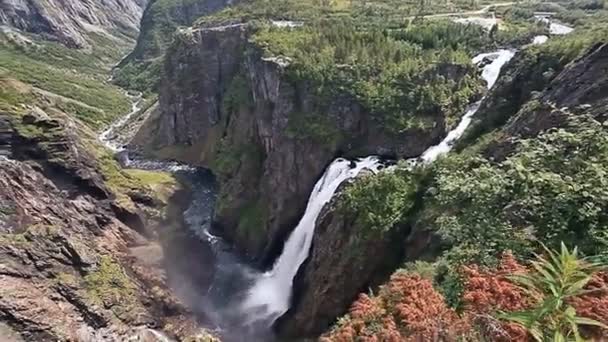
x=299, y=170
x=269, y=295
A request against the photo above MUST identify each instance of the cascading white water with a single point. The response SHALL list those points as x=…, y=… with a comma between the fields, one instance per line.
x=269, y=298
x=539, y=40
x=490, y=75
x=555, y=28
x=107, y=137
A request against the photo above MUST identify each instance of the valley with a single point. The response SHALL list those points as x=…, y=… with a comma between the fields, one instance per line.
x=300, y=170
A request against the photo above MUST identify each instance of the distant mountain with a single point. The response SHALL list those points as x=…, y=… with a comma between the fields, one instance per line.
x=74, y=23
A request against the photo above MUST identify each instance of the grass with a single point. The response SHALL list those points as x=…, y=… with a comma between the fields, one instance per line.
x=121, y=182
x=78, y=79
x=109, y=285
x=163, y=184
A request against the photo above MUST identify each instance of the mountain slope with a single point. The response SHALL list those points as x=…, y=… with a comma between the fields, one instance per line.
x=74, y=23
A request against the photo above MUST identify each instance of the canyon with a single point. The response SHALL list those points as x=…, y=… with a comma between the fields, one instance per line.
x=257, y=186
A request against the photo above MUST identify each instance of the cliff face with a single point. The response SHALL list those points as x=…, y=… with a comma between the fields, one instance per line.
x=160, y=19
x=140, y=70
x=71, y=22
x=268, y=136
x=342, y=264
x=75, y=263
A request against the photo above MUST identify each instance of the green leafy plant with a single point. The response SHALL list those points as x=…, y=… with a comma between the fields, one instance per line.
x=555, y=278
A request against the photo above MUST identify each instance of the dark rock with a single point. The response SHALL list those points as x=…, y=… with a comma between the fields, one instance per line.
x=342, y=264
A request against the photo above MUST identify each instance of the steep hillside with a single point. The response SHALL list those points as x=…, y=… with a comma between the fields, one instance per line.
x=71, y=223
x=243, y=100
x=141, y=69
x=84, y=244
x=75, y=23
x=535, y=176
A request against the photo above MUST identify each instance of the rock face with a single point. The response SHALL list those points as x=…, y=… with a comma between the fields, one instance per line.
x=67, y=271
x=71, y=21
x=160, y=19
x=341, y=266
x=225, y=106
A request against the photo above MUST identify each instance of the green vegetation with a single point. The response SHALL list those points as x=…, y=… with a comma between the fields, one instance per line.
x=139, y=76
x=253, y=218
x=74, y=80
x=401, y=78
x=556, y=279
x=237, y=94
x=531, y=196
x=317, y=127
x=12, y=94
x=142, y=68
x=379, y=13
x=163, y=184
x=229, y=156
x=110, y=286
x=530, y=72
x=503, y=192
x=379, y=201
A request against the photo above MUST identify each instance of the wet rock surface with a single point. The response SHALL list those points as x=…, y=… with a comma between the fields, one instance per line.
x=71, y=22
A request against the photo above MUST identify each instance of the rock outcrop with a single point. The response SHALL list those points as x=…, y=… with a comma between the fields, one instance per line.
x=341, y=265
x=223, y=105
x=70, y=248
x=161, y=17
x=141, y=69
x=71, y=22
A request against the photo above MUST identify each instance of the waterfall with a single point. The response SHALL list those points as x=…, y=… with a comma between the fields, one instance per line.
x=490, y=75
x=108, y=137
x=270, y=296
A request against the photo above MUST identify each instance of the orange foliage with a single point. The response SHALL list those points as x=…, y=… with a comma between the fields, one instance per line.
x=420, y=308
x=408, y=308
x=594, y=304
x=486, y=292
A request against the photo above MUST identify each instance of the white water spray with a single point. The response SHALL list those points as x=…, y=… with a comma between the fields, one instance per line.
x=270, y=296
x=108, y=137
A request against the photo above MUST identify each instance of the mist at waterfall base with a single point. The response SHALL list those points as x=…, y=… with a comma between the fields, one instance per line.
x=242, y=301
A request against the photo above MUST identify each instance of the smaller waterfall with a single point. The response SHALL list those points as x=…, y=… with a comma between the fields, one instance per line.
x=490, y=75
x=539, y=40
x=108, y=137
x=555, y=28
x=270, y=296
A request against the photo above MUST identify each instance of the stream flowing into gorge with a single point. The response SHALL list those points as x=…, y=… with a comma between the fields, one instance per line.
x=241, y=300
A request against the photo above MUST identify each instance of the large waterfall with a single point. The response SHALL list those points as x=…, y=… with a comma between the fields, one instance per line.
x=270, y=296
